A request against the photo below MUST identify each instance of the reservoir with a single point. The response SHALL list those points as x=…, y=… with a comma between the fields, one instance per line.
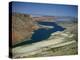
x=42, y=33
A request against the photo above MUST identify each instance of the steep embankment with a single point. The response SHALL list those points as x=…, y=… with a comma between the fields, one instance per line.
x=22, y=27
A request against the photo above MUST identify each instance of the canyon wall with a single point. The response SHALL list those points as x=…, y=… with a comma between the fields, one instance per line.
x=22, y=27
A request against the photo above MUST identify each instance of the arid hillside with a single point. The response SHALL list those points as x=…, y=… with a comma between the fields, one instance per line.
x=44, y=18
x=22, y=27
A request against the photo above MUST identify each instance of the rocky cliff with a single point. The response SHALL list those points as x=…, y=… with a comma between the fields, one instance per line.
x=22, y=27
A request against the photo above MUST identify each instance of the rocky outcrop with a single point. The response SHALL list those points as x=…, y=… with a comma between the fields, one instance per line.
x=22, y=27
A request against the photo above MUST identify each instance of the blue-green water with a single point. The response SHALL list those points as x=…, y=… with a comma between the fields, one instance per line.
x=42, y=33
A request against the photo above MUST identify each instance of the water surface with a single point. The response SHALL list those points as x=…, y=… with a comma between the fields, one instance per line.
x=42, y=33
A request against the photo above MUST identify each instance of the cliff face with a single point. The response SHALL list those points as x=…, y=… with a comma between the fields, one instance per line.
x=22, y=27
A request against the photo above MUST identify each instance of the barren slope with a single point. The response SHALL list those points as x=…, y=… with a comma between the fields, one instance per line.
x=22, y=27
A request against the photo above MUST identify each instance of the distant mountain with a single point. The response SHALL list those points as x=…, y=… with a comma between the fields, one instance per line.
x=54, y=18
x=44, y=18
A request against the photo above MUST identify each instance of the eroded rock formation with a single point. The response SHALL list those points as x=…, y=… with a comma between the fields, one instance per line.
x=22, y=27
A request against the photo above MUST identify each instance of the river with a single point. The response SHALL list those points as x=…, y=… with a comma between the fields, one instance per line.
x=42, y=33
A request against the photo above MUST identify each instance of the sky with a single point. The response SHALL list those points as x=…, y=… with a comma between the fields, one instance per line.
x=45, y=9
